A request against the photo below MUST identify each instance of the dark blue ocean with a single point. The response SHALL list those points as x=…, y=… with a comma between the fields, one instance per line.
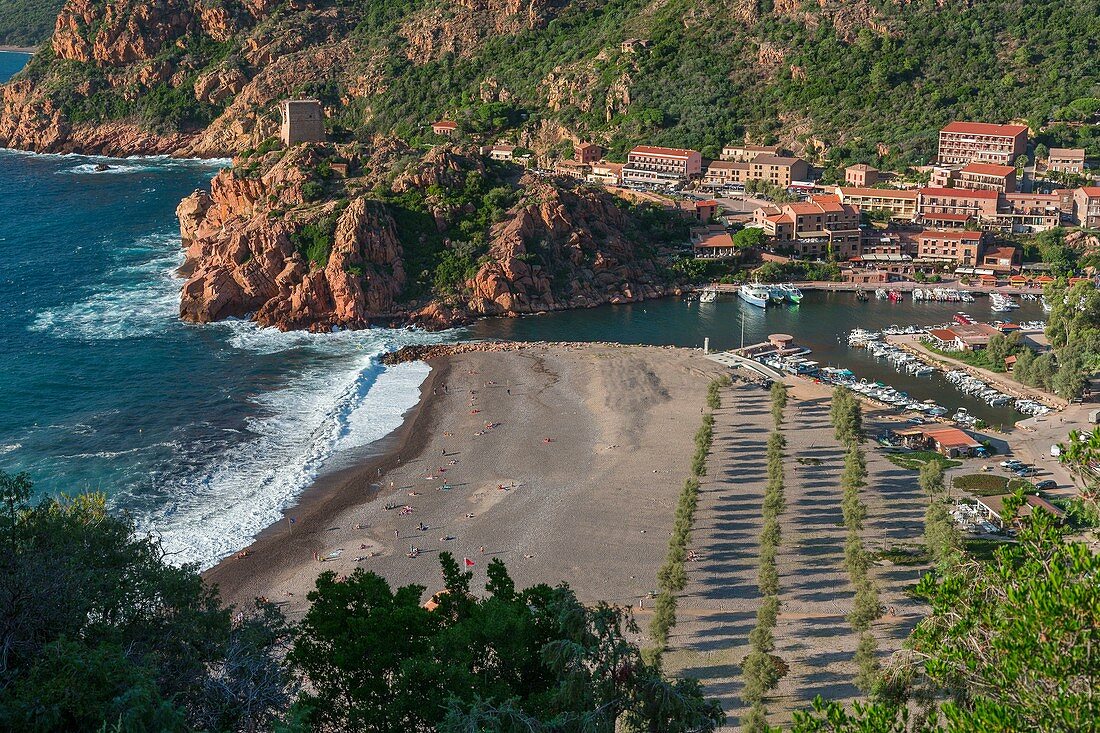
x=205, y=434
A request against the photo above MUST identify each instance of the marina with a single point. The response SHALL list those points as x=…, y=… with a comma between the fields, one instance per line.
x=821, y=323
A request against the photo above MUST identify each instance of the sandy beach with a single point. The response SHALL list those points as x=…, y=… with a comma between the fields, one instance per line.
x=565, y=462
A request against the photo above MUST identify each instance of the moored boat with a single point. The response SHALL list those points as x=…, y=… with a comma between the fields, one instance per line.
x=754, y=294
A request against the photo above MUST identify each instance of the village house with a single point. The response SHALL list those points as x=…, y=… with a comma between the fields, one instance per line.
x=778, y=170
x=1066, y=160
x=725, y=172
x=966, y=142
x=712, y=242
x=446, y=128
x=1086, y=207
x=499, y=151
x=1001, y=258
x=586, y=153
x=747, y=153
x=901, y=204
x=959, y=247
x=992, y=507
x=860, y=175
x=650, y=164
x=814, y=228
x=987, y=177
x=950, y=442
x=607, y=174
x=571, y=168
x=303, y=122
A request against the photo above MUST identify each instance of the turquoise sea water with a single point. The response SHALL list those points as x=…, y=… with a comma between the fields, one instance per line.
x=204, y=433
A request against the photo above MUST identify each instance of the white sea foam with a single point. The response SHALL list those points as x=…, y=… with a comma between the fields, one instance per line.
x=331, y=407
x=138, y=299
x=10, y=447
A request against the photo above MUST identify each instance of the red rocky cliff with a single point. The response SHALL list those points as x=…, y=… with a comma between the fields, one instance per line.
x=563, y=246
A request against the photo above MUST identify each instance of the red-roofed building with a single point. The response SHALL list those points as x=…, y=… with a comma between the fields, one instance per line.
x=649, y=164
x=861, y=174
x=957, y=246
x=814, y=228
x=957, y=201
x=712, y=243
x=987, y=177
x=1001, y=258
x=446, y=128
x=725, y=172
x=946, y=221
x=587, y=153
x=964, y=142
x=1086, y=207
x=948, y=441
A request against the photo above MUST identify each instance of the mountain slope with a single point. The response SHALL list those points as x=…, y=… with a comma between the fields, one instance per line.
x=865, y=78
x=27, y=22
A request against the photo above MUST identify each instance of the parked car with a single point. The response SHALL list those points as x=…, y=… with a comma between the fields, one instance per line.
x=1046, y=484
x=1012, y=463
x=1026, y=471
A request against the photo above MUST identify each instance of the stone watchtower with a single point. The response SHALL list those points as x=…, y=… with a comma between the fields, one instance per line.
x=303, y=122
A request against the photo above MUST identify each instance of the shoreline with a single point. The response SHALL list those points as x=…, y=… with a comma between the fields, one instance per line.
x=26, y=50
x=334, y=492
x=563, y=460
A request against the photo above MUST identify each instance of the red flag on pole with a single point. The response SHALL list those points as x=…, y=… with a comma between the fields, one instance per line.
x=469, y=563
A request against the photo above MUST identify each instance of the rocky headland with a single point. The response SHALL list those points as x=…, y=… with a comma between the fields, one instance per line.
x=341, y=236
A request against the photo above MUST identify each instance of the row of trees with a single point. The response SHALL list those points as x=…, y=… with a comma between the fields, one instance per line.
x=1009, y=645
x=672, y=576
x=941, y=534
x=848, y=423
x=761, y=669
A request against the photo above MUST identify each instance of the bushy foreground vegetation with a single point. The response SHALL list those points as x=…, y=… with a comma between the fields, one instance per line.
x=100, y=633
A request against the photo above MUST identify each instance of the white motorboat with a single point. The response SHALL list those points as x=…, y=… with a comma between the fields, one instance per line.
x=754, y=294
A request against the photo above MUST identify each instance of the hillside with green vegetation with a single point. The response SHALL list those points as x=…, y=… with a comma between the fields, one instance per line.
x=871, y=80
x=27, y=23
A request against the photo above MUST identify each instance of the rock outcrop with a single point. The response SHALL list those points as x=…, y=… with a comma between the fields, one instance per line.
x=564, y=246
x=256, y=247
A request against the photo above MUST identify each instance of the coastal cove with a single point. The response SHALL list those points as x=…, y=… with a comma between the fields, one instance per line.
x=209, y=434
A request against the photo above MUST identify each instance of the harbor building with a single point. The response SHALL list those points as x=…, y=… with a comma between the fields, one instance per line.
x=813, y=228
x=966, y=142
x=1066, y=160
x=958, y=246
x=650, y=164
x=303, y=122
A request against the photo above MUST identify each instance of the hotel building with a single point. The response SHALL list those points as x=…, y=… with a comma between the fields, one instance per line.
x=965, y=142
x=648, y=164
